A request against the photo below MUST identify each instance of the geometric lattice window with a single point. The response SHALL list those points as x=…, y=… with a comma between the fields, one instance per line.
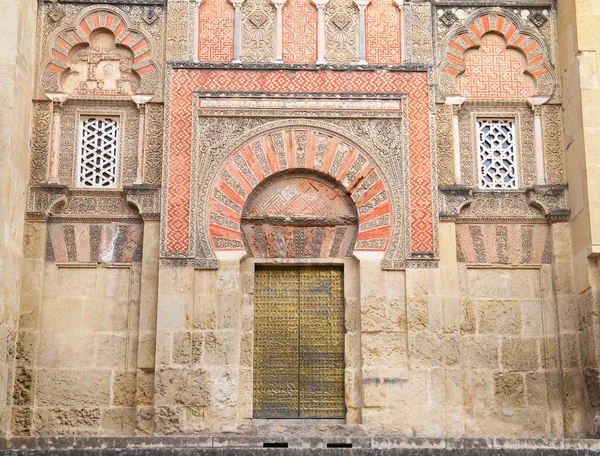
x=496, y=144
x=98, y=150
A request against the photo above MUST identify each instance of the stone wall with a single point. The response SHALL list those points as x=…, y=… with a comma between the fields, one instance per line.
x=578, y=38
x=78, y=353
x=17, y=20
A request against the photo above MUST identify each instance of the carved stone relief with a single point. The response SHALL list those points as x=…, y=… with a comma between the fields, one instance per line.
x=500, y=206
x=95, y=242
x=77, y=54
x=523, y=116
x=445, y=152
x=40, y=141
x=341, y=25
x=258, y=31
x=228, y=134
x=553, y=144
x=100, y=68
x=177, y=30
x=128, y=137
x=153, y=144
x=504, y=244
x=420, y=47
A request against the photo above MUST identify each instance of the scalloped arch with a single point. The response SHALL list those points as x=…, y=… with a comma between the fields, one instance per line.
x=86, y=23
x=299, y=148
x=532, y=47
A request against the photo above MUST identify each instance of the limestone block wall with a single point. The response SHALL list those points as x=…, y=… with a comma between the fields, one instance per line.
x=77, y=363
x=17, y=19
x=578, y=39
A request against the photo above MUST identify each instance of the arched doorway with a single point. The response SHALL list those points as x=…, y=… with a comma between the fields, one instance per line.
x=299, y=327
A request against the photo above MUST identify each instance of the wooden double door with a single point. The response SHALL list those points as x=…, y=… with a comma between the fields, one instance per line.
x=299, y=342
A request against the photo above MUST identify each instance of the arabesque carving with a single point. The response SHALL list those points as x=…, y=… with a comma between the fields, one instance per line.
x=553, y=144
x=258, y=31
x=341, y=25
x=40, y=141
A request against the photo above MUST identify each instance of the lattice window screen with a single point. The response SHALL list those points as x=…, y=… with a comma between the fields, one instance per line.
x=98, y=152
x=496, y=144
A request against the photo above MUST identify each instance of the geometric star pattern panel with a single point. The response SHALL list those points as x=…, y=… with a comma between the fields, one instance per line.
x=303, y=149
x=382, y=25
x=184, y=82
x=493, y=71
x=497, y=157
x=299, y=32
x=98, y=150
x=215, y=31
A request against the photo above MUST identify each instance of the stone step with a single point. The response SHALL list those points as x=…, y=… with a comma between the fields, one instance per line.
x=321, y=445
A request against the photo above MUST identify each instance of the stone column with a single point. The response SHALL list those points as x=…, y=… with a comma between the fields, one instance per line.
x=456, y=103
x=400, y=5
x=320, y=4
x=57, y=100
x=279, y=30
x=536, y=106
x=362, y=53
x=195, y=15
x=237, y=30
x=140, y=101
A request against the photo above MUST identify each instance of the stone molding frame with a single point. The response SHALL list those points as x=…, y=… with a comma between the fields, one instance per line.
x=398, y=240
x=523, y=117
x=139, y=41
x=517, y=35
x=128, y=137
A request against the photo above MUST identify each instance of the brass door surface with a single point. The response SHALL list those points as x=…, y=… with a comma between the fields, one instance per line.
x=299, y=342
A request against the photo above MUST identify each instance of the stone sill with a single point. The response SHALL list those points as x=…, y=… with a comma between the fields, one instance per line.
x=240, y=445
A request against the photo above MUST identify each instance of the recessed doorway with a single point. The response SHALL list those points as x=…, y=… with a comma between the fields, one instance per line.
x=299, y=342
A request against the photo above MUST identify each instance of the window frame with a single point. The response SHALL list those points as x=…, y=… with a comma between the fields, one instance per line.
x=79, y=153
x=515, y=146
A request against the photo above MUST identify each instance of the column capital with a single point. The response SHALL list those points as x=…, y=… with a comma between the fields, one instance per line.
x=237, y=4
x=320, y=4
x=57, y=97
x=399, y=4
x=362, y=4
x=279, y=3
x=455, y=102
x=141, y=100
x=535, y=103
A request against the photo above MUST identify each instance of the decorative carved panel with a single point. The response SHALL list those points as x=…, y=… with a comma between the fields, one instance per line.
x=94, y=242
x=468, y=120
x=101, y=51
x=504, y=244
x=341, y=29
x=553, y=144
x=487, y=26
x=258, y=31
x=296, y=216
x=299, y=32
x=215, y=31
x=382, y=30
x=493, y=71
x=40, y=141
x=153, y=144
x=420, y=42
